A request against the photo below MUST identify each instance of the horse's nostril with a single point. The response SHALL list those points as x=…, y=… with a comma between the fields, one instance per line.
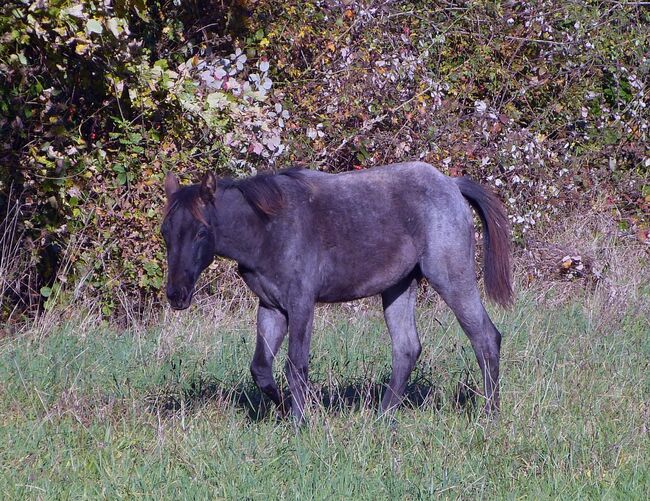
x=177, y=295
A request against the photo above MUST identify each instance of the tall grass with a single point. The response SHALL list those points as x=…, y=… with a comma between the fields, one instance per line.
x=89, y=410
x=16, y=281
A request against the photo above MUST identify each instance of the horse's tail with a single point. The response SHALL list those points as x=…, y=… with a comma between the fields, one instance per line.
x=496, y=240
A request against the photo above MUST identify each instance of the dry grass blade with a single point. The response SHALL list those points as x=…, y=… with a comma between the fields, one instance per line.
x=17, y=275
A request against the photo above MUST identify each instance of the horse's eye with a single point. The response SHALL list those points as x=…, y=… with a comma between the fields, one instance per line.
x=203, y=234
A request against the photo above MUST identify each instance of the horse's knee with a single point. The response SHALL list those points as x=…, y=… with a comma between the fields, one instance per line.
x=262, y=375
x=496, y=335
x=413, y=352
x=418, y=349
x=491, y=339
x=409, y=351
x=296, y=374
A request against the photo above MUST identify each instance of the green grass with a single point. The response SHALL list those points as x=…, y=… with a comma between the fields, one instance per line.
x=91, y=411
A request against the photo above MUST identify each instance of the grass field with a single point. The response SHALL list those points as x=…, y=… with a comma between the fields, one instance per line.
x=169, y=411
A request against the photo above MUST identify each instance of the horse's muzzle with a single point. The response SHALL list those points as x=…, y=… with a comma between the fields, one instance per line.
x=179, y=299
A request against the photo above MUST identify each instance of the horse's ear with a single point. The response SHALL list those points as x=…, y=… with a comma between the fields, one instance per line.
x=208, y=187
x=171, y=184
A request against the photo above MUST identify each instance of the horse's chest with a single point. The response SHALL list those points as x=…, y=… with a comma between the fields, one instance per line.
x=262, y=286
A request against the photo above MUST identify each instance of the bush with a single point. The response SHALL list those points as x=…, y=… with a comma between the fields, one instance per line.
x=99, y=99
x=99, y=107
x=546, y=103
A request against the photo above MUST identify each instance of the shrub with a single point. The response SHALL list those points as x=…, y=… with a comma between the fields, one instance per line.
x=544, y=102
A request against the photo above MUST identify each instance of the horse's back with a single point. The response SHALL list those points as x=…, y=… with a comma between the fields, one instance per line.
x=409, y=189
x=370, y=228
x=398, y=177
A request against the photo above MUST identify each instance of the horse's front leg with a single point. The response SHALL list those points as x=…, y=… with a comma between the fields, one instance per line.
x=300, y=328
x=271, y=329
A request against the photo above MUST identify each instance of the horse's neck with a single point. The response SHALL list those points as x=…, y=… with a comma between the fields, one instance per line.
x=240, y=231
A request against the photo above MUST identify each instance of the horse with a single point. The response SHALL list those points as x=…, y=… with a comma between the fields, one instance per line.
x=302, y=237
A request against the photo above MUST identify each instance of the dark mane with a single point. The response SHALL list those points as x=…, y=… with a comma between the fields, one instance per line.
x=188, y=197
x=265, y=194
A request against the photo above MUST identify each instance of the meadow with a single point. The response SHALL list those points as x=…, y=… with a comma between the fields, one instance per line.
x=166, y=408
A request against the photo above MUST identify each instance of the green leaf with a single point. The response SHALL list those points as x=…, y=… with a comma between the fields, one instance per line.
x=135, y=137
x=217, y=100
x=46, y=291
x=75, y=10
x=113, y=26
x=94, y=26
x=141, y=9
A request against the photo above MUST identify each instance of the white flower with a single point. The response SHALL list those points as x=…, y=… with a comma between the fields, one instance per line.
x=480, y=107
x=272, y=142
x=314, y=133
x=240, y=62
x=266, y=83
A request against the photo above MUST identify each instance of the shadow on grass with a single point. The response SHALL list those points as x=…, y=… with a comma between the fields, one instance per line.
x=332, y=398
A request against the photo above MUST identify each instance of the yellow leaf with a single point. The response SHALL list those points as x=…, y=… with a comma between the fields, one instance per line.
x=81, y=48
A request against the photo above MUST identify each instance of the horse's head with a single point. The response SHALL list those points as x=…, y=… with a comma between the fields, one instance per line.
x=188, y=236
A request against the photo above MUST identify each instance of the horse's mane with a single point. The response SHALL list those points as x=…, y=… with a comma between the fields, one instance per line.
x=188, y=197
x=263, y=192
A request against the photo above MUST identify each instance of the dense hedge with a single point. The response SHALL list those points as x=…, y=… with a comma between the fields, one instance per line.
x=546, y=101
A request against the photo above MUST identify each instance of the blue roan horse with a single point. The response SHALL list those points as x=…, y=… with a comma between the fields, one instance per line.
x=302, y=237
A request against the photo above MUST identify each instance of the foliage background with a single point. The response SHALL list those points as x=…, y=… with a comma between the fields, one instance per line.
x=545, y=101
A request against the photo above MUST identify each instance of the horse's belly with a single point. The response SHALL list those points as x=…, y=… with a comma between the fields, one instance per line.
x=346, y=278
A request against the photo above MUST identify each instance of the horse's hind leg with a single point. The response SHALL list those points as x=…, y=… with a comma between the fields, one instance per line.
x=457, y=287
x=271, y=329
x=485, y=339
x=399, y=312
